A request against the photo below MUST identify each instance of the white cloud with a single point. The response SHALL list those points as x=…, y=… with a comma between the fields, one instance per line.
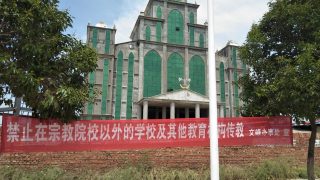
x=233, y=19
x=125, y=23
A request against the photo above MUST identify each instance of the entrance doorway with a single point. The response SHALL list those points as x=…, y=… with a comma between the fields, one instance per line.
x=180, y=112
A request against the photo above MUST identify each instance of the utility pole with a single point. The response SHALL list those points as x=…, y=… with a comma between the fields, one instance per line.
x=214, y=150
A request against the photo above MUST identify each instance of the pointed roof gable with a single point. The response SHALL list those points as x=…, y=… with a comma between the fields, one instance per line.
x=181, y=95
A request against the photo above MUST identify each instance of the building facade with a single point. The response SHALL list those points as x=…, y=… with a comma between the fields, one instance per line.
x=163, y=71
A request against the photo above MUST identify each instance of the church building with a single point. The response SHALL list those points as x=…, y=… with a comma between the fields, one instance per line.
x=162, y=73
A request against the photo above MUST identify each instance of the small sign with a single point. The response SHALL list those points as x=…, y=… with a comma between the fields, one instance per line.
x=317, y=144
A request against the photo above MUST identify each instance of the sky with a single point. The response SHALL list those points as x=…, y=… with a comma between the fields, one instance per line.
x=233, y=18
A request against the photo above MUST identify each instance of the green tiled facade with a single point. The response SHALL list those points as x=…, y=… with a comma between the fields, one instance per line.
x=105, y=86
x=130, y=86
x=197, y=75
x=118, y=85
x=175, y=27
x=222, y=89
x=174, y=71
x=152, y=74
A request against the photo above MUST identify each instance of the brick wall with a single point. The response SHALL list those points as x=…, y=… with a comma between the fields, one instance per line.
x=195, y=158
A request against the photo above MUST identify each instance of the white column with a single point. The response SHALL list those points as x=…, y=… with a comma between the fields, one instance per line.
x=172, y=110
x=141, y=70
x=145, y=110
x=164, y=70
x=222, y=111
x=186, y=63
x=197, y=110
x=186, y=17
x=187, y=112
x=139, y=112
x=165, y=24
x=164, y=112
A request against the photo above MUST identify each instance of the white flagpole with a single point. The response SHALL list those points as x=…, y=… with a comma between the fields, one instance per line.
x=214, y=150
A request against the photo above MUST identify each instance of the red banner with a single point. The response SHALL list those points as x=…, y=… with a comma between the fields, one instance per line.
x=24, y=134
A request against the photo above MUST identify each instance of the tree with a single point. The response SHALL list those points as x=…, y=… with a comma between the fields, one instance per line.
x=283, y=51
x=40, y=63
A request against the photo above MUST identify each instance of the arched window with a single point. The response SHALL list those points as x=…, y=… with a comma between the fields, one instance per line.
x=152, y=74
x=105, y=86
x=191, y=18
x=223, y=89
x=159, y=12
x=191, y=30
x=174, y=71
x=158, y=26
x=148, y=33
x=118, y=86
x=197, y=75
x=191, y=34
x=130, y=85
x=175, y=27
x=201, y=40
x=158, y=31
x=108, y=39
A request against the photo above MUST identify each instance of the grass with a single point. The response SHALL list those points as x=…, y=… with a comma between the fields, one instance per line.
x=233, y=172
x=115, y=174
x=278, y=169
x=270, y=169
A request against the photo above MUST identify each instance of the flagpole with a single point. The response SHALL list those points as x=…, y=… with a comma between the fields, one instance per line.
x=214, y=150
